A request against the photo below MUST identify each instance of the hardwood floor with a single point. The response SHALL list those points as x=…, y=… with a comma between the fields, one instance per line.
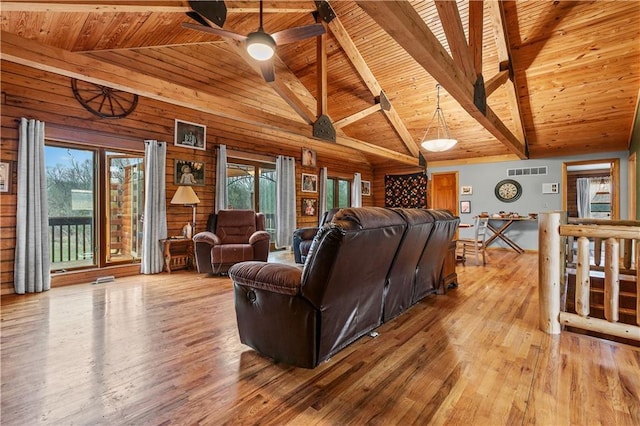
x=164, y=349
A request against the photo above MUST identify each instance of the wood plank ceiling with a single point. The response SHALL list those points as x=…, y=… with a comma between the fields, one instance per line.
x=574, y=68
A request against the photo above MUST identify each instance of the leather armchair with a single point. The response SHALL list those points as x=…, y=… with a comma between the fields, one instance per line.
x=302, y=237
x=233, y=236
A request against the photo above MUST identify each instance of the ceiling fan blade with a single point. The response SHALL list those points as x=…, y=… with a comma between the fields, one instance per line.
x=298, y=33
x=216, y=31
x=267, y=69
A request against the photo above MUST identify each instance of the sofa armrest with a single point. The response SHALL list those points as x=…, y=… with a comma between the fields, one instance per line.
x=207, y=237
x=259, y=236
x=273, y=277
x=306, y=233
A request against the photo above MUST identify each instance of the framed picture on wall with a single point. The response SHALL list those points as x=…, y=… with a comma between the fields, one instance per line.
x=465, y=207
x=308, y=157
x=309, y=207
x=5, y=176
x=466, y=190
x=188, y=172
x=309, y=183
x=190, y=135
x=366, y=187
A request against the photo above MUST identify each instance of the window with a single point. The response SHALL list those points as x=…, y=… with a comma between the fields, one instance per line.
x=338, y=193
x=246, y=192
x=71, y=183
x=94, y=221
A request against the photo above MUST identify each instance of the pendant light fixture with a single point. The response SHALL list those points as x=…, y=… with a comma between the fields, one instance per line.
x=439, y=139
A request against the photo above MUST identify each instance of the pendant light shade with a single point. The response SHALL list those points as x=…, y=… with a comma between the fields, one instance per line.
x=437, y=137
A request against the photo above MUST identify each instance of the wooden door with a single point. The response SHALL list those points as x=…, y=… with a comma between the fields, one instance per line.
x=444, y=191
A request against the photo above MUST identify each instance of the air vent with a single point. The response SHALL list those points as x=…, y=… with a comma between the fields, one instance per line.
x=528, y=171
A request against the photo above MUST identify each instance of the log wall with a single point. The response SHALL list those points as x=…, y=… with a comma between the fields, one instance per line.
x=33, y=93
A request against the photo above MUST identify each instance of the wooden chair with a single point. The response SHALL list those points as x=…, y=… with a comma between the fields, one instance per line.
x=477, y=244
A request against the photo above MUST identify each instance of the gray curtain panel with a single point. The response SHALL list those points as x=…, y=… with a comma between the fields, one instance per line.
x=584, y=199
x=32, y=258
x=356, y=190
x=154, y=227
x=222, y=196
x=285, y=200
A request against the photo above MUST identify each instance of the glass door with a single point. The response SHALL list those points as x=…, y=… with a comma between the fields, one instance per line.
x=125, y=192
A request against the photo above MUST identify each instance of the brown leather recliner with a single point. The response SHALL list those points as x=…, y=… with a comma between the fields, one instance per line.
x=302, y=317
x=233, y=236
x=302, y=237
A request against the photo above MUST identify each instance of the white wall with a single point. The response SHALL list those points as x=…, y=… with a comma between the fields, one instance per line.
x=484, y=177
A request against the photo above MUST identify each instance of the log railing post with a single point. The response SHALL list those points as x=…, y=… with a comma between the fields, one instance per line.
x=611, y=279
x=549, y=271
x=637, y=261
x=583, y=279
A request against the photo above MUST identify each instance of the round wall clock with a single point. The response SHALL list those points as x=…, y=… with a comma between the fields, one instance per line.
x=103, y=101
x=508, y=190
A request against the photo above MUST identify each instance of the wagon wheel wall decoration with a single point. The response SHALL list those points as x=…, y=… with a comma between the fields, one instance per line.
x=104, y=101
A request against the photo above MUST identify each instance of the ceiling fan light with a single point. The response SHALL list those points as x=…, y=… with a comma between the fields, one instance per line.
x=439, y=145
x=260, y=45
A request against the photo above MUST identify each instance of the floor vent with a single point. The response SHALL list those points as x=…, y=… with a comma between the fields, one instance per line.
x=102, y=280
x=528, y=171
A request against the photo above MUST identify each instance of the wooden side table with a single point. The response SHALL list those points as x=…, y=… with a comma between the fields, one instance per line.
x=178, y=253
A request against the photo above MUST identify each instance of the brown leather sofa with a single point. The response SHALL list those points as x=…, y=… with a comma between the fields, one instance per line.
x=363, y=268
x=232, y=236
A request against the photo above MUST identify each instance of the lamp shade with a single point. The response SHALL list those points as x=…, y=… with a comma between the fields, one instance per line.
x=185, y=195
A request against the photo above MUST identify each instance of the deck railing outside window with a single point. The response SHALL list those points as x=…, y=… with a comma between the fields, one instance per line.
x=71, y=238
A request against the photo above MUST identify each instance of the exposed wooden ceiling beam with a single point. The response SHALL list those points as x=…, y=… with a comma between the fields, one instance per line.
x=496, y=10
x=495, y=82
x=476, y=31
x=401, y=21
x=146, y=7
x=357, y=116
x=322, y=72
x=351, y=50
x=453, y=30
x=36, y=55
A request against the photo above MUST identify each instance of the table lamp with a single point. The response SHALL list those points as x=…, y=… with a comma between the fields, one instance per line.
x=186, y=195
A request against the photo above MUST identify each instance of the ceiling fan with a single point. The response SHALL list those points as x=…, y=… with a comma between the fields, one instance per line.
x=259, y=44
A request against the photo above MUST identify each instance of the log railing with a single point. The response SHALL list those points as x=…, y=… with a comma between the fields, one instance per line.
x=553, y=256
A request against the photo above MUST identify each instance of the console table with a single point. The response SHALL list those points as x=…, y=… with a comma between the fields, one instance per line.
x=178, y=253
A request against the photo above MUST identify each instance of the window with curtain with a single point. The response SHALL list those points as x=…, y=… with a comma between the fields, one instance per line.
x=245, y=191
x=338, y=192
x=78, y=203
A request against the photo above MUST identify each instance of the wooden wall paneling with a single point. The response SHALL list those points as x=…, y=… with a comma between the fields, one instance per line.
x=48, y=97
